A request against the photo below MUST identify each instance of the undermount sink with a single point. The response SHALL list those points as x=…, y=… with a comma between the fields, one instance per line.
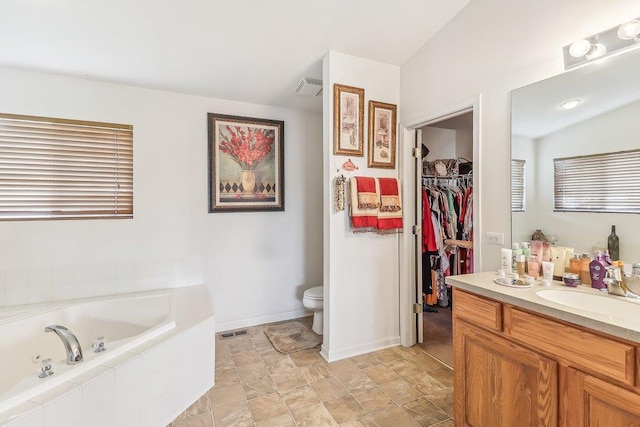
x=594, y=303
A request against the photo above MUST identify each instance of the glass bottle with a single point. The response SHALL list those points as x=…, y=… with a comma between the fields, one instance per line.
x=613, y=244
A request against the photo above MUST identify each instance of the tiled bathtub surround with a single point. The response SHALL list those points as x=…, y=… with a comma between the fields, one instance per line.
x=147, y=386
x=257, y=386
x=40, y=284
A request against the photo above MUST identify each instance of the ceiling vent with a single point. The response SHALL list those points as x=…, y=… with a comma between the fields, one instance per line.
x=308, y=87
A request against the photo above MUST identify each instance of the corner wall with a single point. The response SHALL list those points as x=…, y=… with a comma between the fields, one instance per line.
x=256, y=264
x=361, y=274
x=491, y=48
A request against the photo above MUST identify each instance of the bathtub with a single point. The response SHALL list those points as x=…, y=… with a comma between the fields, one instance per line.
x=140, y=380
x=125, y=322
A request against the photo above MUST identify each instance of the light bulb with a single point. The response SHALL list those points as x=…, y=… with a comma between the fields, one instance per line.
x=629, y=30
x=568, y=105
x=579, y=48
x=596, y=51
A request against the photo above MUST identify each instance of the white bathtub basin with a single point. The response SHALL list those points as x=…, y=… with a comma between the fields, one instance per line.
x=125, y=321
x=600, y=303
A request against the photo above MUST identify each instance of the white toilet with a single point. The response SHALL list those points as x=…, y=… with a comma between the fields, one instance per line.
x=313, y=300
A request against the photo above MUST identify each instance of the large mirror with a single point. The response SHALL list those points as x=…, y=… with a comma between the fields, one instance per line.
x=606, y=120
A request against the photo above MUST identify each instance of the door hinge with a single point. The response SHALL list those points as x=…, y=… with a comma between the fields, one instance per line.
x=415, y=230
x=416, y=152
x=417, y=308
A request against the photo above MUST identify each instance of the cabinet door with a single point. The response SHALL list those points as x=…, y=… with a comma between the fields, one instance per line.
x=499, y=383
x=589, y=401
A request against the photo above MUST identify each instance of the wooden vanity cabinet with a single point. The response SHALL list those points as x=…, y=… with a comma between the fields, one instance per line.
x=513, y=367
x=590, y=401
x=500, y=383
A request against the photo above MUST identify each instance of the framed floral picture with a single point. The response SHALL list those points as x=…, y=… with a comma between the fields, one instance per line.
x=246, y=164
x=382, y=135
x=348, y=119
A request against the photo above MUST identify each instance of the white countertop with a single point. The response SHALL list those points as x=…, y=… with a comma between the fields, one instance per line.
x=614, y=324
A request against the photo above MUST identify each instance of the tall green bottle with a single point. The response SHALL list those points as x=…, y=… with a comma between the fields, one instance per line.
x=613, y=244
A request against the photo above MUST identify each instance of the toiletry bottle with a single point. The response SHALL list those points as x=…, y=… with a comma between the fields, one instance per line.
x=585, y=275
x=515, y=252
x=506, y=261
x=606, y=258
x=520, y=265
x=526, y=250
x=596, y=272
x=613, y=244
x=546, y=251
x=574, y=264
x=533, y=266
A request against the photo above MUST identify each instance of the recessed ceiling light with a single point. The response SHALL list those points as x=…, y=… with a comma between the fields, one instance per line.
x=568, y=105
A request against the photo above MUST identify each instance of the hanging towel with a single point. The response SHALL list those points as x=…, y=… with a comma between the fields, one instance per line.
x=367, y=193
x=390, y=212
x=363, y=216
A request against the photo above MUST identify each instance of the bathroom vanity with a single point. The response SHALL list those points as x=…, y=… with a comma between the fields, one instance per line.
x=521, y=359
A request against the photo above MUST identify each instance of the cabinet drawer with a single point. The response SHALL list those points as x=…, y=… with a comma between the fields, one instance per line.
x=578, y=347
x=478, y=310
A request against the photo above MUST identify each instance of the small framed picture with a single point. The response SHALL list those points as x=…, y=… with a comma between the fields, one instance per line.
x=382, y=135
x=246, y=164
x=348, y=120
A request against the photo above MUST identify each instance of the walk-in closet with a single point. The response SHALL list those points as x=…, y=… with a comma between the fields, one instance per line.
x=446, y=196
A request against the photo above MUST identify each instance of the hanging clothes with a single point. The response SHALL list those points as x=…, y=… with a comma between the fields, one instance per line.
x=447, y=214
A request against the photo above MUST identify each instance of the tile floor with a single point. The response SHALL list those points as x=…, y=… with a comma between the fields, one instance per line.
x=257, y=386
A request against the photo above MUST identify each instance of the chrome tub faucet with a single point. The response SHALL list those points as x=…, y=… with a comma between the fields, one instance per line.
x=71, y=344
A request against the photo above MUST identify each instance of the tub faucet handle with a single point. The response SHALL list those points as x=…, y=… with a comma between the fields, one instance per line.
x=100, y=344
x=45, y=368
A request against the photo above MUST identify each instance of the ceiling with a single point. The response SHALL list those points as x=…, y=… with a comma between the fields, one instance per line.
x=602, y=87
x=246, y=50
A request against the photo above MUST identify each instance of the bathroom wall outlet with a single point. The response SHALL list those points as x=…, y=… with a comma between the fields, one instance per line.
x=495, y=238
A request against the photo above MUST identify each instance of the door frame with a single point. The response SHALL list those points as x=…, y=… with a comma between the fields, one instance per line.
x=410, y=268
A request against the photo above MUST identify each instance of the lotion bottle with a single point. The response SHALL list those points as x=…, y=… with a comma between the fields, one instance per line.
x=596, y=271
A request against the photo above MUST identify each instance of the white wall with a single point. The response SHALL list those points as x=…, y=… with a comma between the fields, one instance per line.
x=616, y=130
x=492, y=47
x=440, y=142
x=256, y=264
x=361, y=276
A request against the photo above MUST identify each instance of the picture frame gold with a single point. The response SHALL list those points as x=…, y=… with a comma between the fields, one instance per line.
x=348, y=120
x=382, y=135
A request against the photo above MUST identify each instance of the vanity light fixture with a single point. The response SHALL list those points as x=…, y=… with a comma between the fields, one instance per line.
x=613, y=41
x=569, y=105
x=629, y=30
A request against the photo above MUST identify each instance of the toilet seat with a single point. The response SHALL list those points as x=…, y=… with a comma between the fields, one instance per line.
x=314, y=293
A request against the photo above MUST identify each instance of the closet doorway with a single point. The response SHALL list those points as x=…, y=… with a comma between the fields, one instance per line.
x=445, y=203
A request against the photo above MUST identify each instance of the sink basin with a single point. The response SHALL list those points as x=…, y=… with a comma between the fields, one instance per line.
x=594, y=303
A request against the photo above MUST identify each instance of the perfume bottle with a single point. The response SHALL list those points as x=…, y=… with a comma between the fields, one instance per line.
x=613, y=244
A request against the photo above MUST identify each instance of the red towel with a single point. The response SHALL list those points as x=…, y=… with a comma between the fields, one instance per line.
x=390, y=213
x=364, y=202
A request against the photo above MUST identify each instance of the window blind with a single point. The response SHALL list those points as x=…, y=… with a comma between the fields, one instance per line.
x=62, y=169
x=608, y=182
x=518, y=194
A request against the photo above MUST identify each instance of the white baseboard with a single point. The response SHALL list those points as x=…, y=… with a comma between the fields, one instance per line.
x=261, y=320
x=333, y=356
